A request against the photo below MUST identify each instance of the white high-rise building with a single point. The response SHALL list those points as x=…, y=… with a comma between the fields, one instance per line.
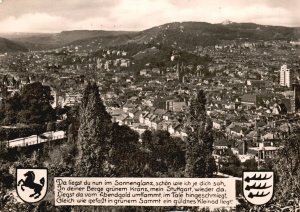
x=285, y=76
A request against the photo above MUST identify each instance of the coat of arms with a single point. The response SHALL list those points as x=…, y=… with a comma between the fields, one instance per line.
x=258, y=186
x=32, y=184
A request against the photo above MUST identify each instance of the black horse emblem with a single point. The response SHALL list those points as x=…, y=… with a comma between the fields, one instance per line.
x=27, y=188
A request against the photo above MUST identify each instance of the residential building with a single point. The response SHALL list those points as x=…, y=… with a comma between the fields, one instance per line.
x=285, y=76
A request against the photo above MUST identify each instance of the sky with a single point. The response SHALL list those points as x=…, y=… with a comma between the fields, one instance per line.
x=61, y=15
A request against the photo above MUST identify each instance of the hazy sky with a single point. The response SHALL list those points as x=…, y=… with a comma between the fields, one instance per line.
x=58, y=15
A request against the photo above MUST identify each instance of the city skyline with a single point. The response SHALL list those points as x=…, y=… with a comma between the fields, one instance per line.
x=49, y=17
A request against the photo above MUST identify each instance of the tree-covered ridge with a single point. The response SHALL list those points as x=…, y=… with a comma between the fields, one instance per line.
x=11, y=46
x=186, y=35
x=190, y=35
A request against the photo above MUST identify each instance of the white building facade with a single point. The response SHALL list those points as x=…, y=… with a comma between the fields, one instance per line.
x=285, y=76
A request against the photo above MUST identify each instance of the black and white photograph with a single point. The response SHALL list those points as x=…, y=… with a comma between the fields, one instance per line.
x=149, y=106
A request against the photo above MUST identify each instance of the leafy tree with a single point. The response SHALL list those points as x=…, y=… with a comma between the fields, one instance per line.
x=125, y=154
x=12, y=107
x=51, y=126
x=167, y=152
x=94, y=135
x=37, y=99
x=233, y=159
x=147, y=139
x=287, y=169
x=250, y=164
x=48, y=206
x=199, y=144
x=6, y=182
x=13, y=205
x=33, y=105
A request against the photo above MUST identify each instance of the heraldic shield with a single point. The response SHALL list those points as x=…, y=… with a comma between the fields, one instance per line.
x=32, y=184
x=258, y=186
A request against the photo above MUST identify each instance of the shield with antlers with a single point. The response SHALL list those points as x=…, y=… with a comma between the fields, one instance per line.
x=258, y=186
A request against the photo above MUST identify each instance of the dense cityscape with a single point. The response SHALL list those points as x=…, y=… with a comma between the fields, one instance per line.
x=248, y=87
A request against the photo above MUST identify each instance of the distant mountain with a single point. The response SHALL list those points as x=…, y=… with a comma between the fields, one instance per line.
x=188, y=35
x=191, y=34
x=10, y=46
x=185, y=35
x=40, y=41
